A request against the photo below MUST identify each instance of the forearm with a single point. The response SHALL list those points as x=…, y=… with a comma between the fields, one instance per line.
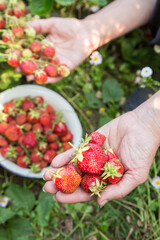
x=116, y=19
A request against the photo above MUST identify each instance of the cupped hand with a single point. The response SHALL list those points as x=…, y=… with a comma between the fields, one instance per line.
x=134, y=140
x=71, y=38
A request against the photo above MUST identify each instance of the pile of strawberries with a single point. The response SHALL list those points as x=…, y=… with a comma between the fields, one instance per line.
x=32, y=133
x=92, y=167
x=22, y=47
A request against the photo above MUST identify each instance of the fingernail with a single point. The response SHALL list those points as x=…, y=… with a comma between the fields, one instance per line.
x=54, y=198
x=103, y=203
x=43, y=189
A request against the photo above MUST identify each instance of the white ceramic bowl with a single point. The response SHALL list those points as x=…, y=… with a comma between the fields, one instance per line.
x=59, y=103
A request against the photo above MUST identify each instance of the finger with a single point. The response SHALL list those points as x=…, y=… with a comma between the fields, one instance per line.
x=53, y=80
x=50, y=187
x=118, y=190
x=78, y=196
x=48, y=175
x=30, y=78
x=63, y=158
x=18, y=69
x=42, y=25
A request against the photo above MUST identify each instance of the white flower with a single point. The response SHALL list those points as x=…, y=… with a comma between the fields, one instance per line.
x=94, y=9
x=156, y=182
x=96, y=58
x=36, y=17
x=156, y=48
x=146, y=72
x=4, y=201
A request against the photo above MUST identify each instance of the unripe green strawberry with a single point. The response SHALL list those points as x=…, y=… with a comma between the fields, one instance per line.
x=27, y=53
x=30, y=32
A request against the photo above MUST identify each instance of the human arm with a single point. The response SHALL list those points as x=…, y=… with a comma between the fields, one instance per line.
x=135, y=136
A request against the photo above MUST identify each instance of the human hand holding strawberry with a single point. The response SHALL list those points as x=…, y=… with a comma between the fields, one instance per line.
x=135, y=143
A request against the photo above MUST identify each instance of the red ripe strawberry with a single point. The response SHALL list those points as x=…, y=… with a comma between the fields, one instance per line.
x=67, y=180
x=18, y=32
x=68, y=137
x=47, y=129
x=110, y=153
x=13, y=122
x=66, y=146
x=27, y=126
x=49, y=155
x=3, y=5
x=40, y=76
x=36, y=157
x=113, y=171
x=12, y=133
x=23, y=161
x=27, y=104
x=20, y=139
x=60, y=129
x=52, y=116
x=75, y=168
x=91, y=183
x=4, y=150
x=17, y=11
x=51, y=70
x=33, y=116
x=42, y=164
x=97, y=138
x=2, y=22
x=49, y=109
x=28, y=66
x=43, y=146
x=54, y=61
x=3, y=142
x=20, y=150
x=45, y=119
x=35, y=46
x=3, y=127
x=91, y=159
x=37, y=127
x=6, y=36
x=63, y=70
x=48, y=49
x=9, y=107
x=38, y=99
x=30, y=140
x=21, y=119
x=54, y=146
x=52, y=137
x=10, y=12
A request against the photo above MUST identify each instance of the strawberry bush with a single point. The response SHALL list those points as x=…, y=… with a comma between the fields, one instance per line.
x=98, y=94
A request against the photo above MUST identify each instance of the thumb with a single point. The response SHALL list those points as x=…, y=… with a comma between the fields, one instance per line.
x=120, y=189
x=42, y=25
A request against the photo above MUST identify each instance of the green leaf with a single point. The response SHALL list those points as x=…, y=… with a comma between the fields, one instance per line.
x=103, y=120
x=22, y=199
x=40, y=7
x=3, y=234
x=5, y=214
x=64, y=2
x=92, y=100
x=20, y=228
x=45, y=204
x=98, y=2
x=111, y=91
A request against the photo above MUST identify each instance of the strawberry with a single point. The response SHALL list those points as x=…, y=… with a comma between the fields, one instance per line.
x=27, y=104
x=63, y=70
x=49, y=155
x=60, y=129
x=48, y=109
x=3, y=142
x=33, y=116
x=23, y=161
x=40, y=76
x=28, y=66
x=75, y=168
x=27, y=53
x=92, y=183
x=30, y=32
x=27, y=126
x=52, y=137
x=43, y=146
x=37, y=127
x=52, y=116
x=21, y=119
x=6, y=36
x=20, y=139
x=3, y=5
x=48, y=49
x=30, y=140
x=54, y=146
x=110, y=153
x=97, y=138
x=35, y=157
x=4, y=150
x=47, y=129
x=17, y=11
x=35, y=47
x=66, y=146
x=3, y=127
x=19, y=150
x=2, y=22
x=51, y=70
x=45, y=119
x=10, y=153
x=113, y=170
x=68, y=137
x=12, y=133
x=18, y=32
x=38, y=99
x=9, y=108
x=54, y=61
x=67, y=180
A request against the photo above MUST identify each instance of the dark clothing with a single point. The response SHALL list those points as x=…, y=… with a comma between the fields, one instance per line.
x=155, y=24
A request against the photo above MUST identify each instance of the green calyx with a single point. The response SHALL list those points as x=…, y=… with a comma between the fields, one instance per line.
x=110, y=170
x=34, y=113
x=11, y=152
x=97, y=188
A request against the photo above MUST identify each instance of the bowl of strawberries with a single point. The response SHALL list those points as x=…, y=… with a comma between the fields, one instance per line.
x=36, y=124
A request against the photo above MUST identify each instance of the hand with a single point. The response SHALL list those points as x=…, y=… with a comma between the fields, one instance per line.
x=72, y=39
x=135, y=142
